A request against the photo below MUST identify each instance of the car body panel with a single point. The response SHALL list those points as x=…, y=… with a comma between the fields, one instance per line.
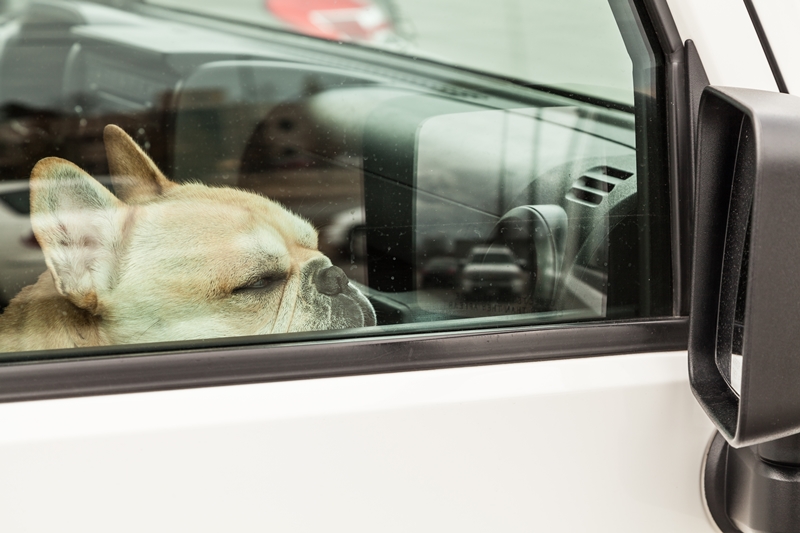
x=600, y=444
x=726, y=42
x=779, y=20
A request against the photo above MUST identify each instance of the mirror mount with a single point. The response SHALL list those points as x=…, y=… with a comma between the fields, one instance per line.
x=746, y=303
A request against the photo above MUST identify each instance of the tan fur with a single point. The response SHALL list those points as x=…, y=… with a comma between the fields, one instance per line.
x=164, y=261
x=126, y=160
x=58, y=322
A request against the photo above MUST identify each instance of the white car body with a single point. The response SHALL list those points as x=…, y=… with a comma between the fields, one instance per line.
x=609, y=443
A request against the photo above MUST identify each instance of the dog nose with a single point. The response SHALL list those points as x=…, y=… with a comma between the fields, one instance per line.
x=331, y=281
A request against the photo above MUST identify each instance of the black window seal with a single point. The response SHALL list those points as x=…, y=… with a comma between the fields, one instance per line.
x=685, y=79
x=284, y=362
x=665, y=33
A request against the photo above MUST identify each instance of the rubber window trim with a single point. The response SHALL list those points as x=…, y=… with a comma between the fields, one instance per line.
x=282, y=362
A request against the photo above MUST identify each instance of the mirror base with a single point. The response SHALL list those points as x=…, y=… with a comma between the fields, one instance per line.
x=747, y=494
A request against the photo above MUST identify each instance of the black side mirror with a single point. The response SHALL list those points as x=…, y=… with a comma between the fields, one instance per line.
x=746, y=286
x=746, y=305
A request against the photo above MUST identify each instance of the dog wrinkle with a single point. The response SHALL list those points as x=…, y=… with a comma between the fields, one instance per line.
x=286, y=288
x=146, y=330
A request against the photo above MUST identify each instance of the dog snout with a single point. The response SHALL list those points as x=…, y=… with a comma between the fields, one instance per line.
x=331, y=280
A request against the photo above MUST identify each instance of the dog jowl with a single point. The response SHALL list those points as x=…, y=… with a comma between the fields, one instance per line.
x=165, y=261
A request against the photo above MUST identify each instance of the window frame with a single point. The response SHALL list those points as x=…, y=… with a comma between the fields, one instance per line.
x=125, y=369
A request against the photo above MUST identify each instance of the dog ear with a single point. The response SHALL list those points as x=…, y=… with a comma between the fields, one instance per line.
x=78, y=224
x=135, y=177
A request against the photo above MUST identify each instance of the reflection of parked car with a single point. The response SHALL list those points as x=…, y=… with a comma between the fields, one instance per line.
x=21, y=259
x=441, y=271
x=338, y=20
x=492, y=270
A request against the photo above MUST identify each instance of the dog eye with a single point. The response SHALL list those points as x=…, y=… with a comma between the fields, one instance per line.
x=262, y=283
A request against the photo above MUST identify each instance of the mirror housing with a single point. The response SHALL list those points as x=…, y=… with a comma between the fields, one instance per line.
x=746, y=272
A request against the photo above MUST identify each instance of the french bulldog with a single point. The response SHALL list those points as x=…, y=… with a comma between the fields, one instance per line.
x=163, y=261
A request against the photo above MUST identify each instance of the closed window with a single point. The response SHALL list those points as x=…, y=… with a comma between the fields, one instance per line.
x=174, y=172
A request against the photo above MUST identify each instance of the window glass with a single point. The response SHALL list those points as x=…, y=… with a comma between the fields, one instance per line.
x=179, y=172
x=573, y=45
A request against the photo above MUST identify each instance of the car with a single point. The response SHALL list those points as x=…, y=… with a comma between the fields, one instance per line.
x=630, y=165
x=492, y=271
x=440, y=271
x=357, y=20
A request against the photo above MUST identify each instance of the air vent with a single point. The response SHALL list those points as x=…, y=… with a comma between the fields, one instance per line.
x=595, y=184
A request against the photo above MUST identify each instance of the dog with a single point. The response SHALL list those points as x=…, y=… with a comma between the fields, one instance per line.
x=163, y=261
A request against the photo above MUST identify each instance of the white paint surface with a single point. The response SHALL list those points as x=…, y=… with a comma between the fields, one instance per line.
x=780, y=19
x=726, y=41
x=596, y=444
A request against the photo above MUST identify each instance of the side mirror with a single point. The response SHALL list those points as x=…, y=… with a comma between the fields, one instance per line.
x=744, y=340
x=746, y=285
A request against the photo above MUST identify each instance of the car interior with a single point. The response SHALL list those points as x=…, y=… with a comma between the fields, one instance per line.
x=411, y=170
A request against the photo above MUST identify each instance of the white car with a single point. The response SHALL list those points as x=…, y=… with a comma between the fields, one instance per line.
x=642, y=154
x=492, y=271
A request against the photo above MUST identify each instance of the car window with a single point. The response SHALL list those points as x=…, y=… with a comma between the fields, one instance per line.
x=177, y=172
x=573, y=45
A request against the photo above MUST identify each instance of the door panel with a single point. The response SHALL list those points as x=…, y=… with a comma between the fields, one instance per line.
x=594, y=444
x=470, y=209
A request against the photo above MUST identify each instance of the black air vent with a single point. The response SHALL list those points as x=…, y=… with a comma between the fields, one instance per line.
x=595, y=184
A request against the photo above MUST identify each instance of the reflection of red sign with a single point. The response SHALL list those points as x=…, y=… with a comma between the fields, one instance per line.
x=340, y=20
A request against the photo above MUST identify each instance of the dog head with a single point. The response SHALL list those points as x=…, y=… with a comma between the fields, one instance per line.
x=165, y=261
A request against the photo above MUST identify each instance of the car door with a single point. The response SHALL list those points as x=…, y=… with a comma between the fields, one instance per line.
x=510, y=188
